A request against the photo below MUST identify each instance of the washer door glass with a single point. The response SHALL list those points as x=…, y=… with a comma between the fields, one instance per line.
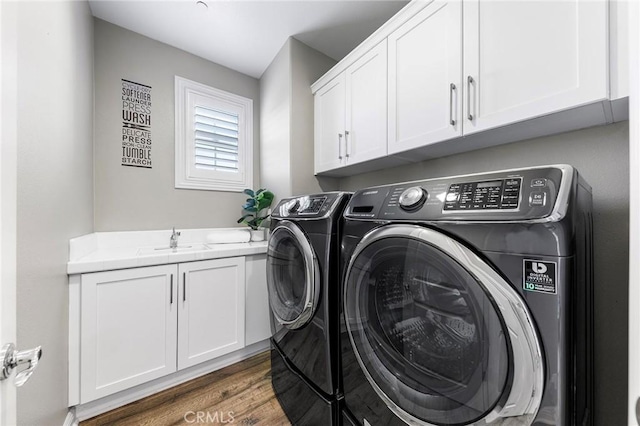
x=291, y=275
x=426, y=333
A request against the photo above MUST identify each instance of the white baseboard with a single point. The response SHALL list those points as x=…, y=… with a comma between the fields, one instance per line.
x=108, y=403
x=71, y=419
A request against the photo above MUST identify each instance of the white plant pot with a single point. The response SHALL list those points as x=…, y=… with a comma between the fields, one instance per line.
x=257, y=234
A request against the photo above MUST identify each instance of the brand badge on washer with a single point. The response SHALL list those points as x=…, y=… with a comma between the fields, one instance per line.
x=540, y=276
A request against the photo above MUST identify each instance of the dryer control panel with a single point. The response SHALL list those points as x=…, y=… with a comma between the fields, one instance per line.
x=314, y=206
x=520, y=194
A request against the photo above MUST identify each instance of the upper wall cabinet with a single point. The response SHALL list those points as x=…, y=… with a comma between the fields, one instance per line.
x=425, y=78
x=464, y=75
x=329, y=125
x=351, y=113
x=524, y=59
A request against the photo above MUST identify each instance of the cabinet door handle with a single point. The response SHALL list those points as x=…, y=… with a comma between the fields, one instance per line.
x=469, y=83
x=346, y=143
x=171, y=292
x=452, y=88
x=184, y=286
x=339, y=146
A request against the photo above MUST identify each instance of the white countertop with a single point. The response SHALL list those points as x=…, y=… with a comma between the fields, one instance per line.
x=104, y=251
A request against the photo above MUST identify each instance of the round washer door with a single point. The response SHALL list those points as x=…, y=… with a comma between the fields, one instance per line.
x=292, y=276
x=441, y=337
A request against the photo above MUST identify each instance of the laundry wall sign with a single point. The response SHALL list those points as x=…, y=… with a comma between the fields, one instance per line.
x=136, y=124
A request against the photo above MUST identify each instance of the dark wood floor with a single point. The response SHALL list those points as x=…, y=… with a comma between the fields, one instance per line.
x=240, y=394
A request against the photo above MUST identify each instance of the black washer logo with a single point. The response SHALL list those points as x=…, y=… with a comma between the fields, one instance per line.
x=540, y=276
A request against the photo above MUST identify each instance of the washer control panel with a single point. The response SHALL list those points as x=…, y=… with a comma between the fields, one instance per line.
x=484, y=195
x=495, y=196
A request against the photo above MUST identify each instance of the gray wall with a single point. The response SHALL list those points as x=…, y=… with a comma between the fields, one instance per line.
x=286, y=115
x=275, y=122
x=601, y=155
x=307, y=65
x=130, y=198
x=55, y=188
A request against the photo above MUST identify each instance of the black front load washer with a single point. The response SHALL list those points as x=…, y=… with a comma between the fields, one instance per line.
x=468, y=300
x=304, y=295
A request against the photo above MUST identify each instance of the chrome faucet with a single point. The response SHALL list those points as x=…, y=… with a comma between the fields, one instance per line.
x=173, y=241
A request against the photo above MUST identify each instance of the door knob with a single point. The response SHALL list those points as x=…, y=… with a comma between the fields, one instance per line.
x=11, y=359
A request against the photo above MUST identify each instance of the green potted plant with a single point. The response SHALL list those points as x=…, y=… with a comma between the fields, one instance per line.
x=257, y=202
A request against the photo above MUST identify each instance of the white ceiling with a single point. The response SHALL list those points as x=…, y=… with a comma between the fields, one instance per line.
x=246, y=35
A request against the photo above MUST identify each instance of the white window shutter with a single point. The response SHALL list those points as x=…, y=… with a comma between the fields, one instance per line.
x=214, y=138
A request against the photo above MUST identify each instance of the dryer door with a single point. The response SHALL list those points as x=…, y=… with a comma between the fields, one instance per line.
x=442, y=338
x=293, y=276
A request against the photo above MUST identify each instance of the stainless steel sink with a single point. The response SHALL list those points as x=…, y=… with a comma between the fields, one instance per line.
x=146, y=251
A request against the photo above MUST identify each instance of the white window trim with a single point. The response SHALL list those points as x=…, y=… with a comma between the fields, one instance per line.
x=184, y=178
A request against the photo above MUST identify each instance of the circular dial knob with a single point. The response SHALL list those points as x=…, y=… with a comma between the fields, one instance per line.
x=292, y=205
x=412, y=198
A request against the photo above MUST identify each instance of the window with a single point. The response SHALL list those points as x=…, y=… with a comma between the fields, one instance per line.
x=214, y=138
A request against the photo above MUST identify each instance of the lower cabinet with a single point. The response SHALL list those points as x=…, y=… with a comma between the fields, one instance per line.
x=140, y=324
x=210, y=309
x=128, y=328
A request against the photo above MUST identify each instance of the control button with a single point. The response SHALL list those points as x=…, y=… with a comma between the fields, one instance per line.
x=538, y=183
x=538, y=198
x=412, y=198
x=452, y=196
x=509, y=199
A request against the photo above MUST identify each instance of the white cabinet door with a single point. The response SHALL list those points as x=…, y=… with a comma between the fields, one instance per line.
x=258, y=317
x=525, y=58
x=211, y=319
x=329, y=121
x=366, y=106
x=128, y=328
x=425, y=74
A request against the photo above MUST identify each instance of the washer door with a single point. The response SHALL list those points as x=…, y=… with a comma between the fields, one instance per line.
x=441, y=337
x=292, y=276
